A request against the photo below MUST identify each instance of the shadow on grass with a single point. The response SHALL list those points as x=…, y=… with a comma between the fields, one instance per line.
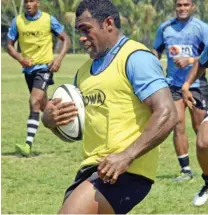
x=14, y=154
x=165, y=176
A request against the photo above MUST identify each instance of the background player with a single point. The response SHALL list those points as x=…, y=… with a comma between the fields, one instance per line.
x=202, y=138
x=33, y=30
x=183, y=38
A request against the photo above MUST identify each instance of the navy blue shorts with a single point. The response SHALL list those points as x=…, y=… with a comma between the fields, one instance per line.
x=127, y=192
x=200, y=95
x=39, y=79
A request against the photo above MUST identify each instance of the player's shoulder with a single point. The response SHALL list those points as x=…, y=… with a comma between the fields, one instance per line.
x=167, y=23
x=197, y=22
x=21, y=15
x=45, y=14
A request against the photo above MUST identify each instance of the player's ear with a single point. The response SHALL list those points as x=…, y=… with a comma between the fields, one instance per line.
x=38, y=3
x=109, y=23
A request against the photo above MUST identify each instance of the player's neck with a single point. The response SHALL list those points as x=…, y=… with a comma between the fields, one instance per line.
x=183, y=21
x=114, y=39
x=32, y=15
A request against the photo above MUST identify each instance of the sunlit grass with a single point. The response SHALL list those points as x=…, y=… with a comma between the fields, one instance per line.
x=36, y=185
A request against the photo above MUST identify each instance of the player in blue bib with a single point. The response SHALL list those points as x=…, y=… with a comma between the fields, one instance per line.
x=183, y=38
x=202, y=138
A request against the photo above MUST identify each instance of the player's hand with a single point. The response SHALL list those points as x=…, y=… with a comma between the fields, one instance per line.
x=188, y=99
x=57, y=113
x=55, y=65
x=112, y=166
x=181, y=62
x=25, y=62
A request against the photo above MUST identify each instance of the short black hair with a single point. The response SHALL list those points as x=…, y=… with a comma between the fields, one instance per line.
x=191, y=0
x=100, y=10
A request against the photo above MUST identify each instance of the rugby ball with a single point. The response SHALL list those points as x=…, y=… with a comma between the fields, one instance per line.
x=74, y=130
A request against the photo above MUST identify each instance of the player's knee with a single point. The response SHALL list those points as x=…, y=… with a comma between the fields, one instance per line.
x=35, y=103
x=202, y=142
x=179, y=128
x=196, y=128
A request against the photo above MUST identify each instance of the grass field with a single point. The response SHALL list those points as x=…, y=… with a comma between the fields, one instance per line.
x=36, y=185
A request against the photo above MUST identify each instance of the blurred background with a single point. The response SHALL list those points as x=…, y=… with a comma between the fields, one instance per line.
x=140, y=18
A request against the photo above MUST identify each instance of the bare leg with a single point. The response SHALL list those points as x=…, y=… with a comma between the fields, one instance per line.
x=197, y=116
x=179, y=138
x=36, y=98
x=44, y=102
x=202, y=147
x=85, y=199
x=202, y=154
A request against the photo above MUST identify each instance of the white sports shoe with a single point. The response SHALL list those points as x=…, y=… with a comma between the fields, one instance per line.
x=202, y=197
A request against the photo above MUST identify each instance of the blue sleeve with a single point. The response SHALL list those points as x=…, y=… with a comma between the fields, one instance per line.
x=145, y=73
x=56, y=27
x=205, y=33
x=13, y=33
x=204, y=56
x=159, y=41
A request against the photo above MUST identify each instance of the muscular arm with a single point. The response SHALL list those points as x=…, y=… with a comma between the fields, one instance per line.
x=159, y=126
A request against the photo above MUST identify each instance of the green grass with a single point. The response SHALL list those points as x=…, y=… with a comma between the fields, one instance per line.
x=36, y=185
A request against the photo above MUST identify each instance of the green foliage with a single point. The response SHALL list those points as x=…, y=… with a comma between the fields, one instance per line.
x=36, y=185
x=140, y=18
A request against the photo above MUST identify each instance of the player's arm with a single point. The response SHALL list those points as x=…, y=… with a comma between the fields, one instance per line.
x=145, y=74
x=159, y=126
x=12, y=38
x=182, y=62
x=194, y=74
x=157, y=53
x=58, y=30
x=158, y=45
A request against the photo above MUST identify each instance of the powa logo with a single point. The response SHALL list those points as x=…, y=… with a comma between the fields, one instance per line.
x=32, y=33
x=97, y=98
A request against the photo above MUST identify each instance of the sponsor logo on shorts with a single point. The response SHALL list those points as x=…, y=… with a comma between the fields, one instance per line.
x=97, y=97
x=46, y=76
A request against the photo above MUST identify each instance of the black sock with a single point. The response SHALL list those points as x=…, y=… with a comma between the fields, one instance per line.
x=205, y=177
x=184, y=162
x=32, y=127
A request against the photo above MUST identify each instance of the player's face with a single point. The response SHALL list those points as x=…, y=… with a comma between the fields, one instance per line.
x=184, y=9
x=31, y=7
x=93, y=35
